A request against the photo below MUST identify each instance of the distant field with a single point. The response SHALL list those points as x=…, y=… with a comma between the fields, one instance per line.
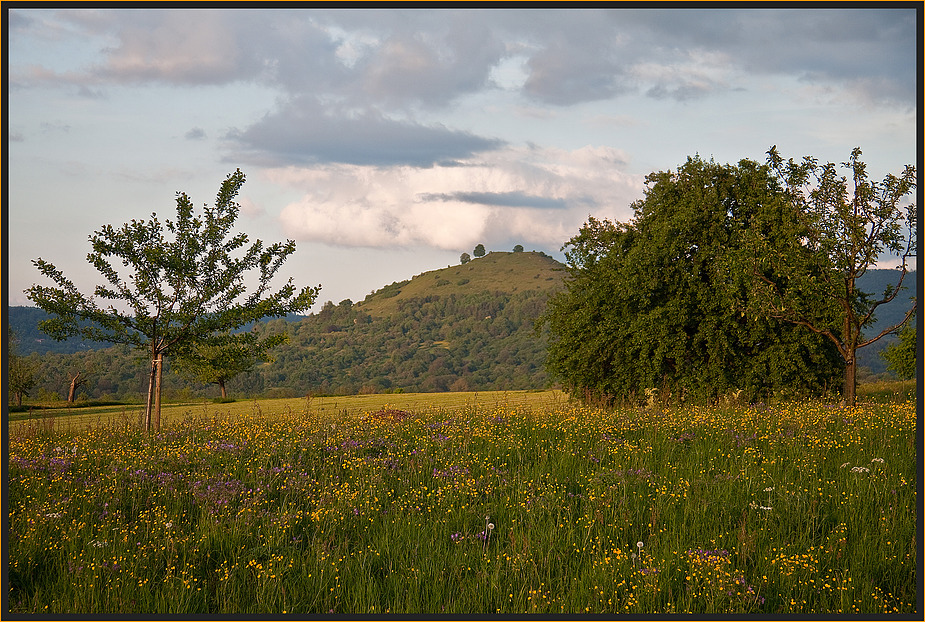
x=460, y=503
x=77, y=418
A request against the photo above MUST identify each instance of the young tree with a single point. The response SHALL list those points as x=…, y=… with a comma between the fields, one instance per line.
x=479, y=250
x=22, y=373
x=218, y=360
x=845, y=226
x=184, y=285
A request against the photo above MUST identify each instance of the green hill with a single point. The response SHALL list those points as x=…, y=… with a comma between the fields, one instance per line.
x=508, y=273
x=465, y=327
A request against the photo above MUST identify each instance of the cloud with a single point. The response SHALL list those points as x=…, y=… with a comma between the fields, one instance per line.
x=407, y=60
x=251, y=209
x=537, y=195
x=196, y=133
x=304, y=133
x=499, y=199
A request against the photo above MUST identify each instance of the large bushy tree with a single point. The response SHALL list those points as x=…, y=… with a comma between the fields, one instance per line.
x=180, y=283
x=845, y=226
x=657, y=304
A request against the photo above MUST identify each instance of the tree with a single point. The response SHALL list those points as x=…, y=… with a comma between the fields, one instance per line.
x=465, y=258
x=218, y=360
x=844, y=227
x=182, y=289
x=518, y=248
x=901, y=356
x=22, y=373
x=479, y=251
x=654, y=303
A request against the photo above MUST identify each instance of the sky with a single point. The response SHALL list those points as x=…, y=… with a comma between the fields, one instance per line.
x=388, y=142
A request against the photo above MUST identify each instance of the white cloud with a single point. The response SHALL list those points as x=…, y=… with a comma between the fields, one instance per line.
x=486, y=199
x=251, y=209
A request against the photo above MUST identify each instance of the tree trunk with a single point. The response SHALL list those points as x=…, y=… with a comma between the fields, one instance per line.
x=72, y=390
x=851, y=377
x=19, y=398
x=157, y=391
x=150, y=403
x=221, y=385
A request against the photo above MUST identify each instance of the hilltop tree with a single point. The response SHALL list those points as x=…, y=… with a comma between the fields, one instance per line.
x=220, y=358
x=653, y=304
x=479, y=251
x=465, y=258
x=182, y=289
x=518, y=248
x=844, y=227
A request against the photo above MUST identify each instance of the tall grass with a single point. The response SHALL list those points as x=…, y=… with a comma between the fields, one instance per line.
x=795, y=508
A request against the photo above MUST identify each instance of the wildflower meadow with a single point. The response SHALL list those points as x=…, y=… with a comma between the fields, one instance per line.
x=482, y=507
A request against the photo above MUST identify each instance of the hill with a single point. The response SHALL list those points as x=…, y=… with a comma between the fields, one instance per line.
x=497, y=271
x=874, y=282
x=25, y=324
x=464, y=327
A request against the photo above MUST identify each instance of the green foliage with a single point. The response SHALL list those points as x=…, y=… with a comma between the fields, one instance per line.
x=21, y=372
x=901, y=356
x=222, y=357
x=479, y=250
x=811, y=278
x=659, y=303
x=518, y=248
x=185, y=283
x=465, y=258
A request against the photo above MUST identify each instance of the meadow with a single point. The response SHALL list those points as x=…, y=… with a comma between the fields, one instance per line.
x=520, y=502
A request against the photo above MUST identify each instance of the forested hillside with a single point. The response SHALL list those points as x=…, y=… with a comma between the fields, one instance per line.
x=465, y=327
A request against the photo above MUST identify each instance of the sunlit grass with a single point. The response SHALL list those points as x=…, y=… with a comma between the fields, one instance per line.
x=339, y=504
